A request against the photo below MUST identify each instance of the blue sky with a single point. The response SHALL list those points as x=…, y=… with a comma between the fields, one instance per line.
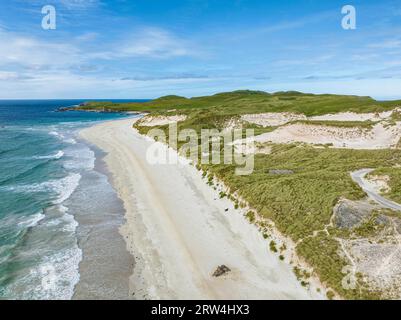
x=148, y=48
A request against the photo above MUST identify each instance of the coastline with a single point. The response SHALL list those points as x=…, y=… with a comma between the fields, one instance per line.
x=98, y=236
x=180, y=231
x=59, y=212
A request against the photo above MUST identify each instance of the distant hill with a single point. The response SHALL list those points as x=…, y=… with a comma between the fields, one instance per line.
x=247, y=101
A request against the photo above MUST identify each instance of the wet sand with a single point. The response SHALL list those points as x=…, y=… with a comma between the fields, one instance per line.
x=106, y=264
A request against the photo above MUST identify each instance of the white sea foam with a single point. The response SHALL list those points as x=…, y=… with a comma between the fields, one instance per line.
x=70, y=141
x=65, y=187
x=52, y=232
x=56, y=134
x=80, y=158
x=57, y=155
x=70, y=224
x=62, y=187
x=57, y=275
x=65, y=137
x=32, y=220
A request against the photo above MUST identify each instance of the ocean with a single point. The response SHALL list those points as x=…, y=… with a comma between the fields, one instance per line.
x=43, y=165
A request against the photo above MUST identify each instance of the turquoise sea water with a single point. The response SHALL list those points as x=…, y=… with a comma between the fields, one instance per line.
x=42, y=162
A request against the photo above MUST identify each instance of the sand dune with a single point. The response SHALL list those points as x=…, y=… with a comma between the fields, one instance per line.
x=152, y=121
x=352, y=116
x=272, y=119
x=379, y=137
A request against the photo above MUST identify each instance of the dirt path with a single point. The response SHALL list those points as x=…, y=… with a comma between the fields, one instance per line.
x=359, y=178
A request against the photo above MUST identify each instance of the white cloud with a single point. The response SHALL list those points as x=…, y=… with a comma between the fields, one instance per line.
x=285, y=25
x=364, y=57
x=32, y=53
x=78, y=4
x=149, y=43
x=7, y=75
x=388, y=44
x=305, y=61
x=68, y=85
x=89, y=36
x=31, y=67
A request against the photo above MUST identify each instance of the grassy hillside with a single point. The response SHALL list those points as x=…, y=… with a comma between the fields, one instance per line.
x=301, y=203
x=394, y=174
x=242, y=102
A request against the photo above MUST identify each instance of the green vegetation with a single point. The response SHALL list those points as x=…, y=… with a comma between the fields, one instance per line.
x=369, y=227
x=242, y=102
x=395, y=181
x=330, y=295
x=300, y=204
x=340, y=124
x=250, y=216
x=272, y=246
x=396, y=116
x=301, y=274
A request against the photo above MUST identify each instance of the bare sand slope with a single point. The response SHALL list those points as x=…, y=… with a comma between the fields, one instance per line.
x=179, y=232
x=272, y=119
x=352, y=116
x=151, y=121
x=379, y=137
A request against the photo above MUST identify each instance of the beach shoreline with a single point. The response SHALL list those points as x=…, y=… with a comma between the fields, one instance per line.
x=179, y=230
x=98, y=237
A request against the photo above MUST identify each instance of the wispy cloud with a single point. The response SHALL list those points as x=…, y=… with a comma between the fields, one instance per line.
x=148, y=43
x=364, y=57
x=305, y=61
x=33, y=53
x=118, y=48
x=10, y=75
x=66, y=4
x=78, y=4
x=286, y=25
x=387, y=44
x=298, y=23
x=30, y=52
x=88, y=36
x=166, y=77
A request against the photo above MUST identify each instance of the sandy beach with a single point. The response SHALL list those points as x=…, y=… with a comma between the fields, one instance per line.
x=178, y=230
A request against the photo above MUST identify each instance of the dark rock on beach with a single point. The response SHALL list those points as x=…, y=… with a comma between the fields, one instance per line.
x=221, y=270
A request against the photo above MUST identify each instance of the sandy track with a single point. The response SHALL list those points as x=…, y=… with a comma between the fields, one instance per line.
x=179, y=232
x=359, y=178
